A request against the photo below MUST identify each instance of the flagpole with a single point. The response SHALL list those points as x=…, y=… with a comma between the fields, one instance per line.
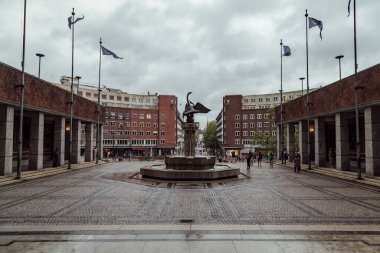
x=357, y=87
x=72, y=93
x=307, y=93
x=21, y=120
x=98, y=111
x=281, y=117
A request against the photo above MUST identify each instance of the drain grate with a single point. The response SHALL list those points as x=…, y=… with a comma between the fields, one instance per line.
x=186, y=221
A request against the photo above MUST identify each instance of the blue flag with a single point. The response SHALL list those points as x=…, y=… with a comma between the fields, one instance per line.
x=70, y=21
x=105, y=51
x=349, y=4
x=287, y=51
x=315, y=22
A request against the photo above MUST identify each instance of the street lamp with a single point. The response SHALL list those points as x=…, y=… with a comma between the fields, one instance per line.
x=302, y=78
x=39, y=55
x=340, y=70
x=78, y=77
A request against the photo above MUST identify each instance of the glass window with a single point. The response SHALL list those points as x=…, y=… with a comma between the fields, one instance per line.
x=237, y=133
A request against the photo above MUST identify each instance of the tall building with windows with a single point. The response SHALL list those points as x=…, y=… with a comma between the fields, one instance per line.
x=134, y=123
x=244, y=116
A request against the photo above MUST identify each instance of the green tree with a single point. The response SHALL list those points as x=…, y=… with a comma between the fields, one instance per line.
x=209, y=136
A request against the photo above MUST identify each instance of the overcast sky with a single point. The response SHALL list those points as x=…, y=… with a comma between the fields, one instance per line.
x=210, y=47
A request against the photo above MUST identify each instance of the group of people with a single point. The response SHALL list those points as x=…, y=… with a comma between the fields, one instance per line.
x=251, y=158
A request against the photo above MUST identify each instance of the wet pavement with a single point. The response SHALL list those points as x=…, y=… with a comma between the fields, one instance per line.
x=108, y=208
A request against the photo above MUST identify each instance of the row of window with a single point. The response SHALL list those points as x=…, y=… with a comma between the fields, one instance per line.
x=251, y=116
x=134, y=124
x=252, y=133
x=113, y=115
x=118, y=98
x=252, y=124
x=134, y=132
x=132, y=142
x=261, y=100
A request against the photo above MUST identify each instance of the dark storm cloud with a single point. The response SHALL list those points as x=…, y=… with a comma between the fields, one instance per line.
x=211, y=47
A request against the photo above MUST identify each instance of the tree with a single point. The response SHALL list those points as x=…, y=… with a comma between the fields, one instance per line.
x=209, y=136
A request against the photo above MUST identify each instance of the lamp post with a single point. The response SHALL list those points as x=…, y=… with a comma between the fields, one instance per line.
x=78, y=77
x=340, y=70
x=39, y=55
x=302, y=78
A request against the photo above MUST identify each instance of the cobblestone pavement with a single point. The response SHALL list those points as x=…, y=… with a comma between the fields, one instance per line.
x=271, y=196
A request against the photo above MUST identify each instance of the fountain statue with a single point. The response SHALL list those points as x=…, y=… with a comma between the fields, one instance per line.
x=190, y=167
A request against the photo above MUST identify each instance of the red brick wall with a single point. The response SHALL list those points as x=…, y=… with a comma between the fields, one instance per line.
x=168, y=107
x=338, y=96
x=43, y=96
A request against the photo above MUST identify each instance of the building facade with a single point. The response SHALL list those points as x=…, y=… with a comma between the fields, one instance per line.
x=135, y=124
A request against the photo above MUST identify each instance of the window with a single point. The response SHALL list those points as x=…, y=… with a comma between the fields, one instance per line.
x=155, y=125
x=120, y=125
x=127, y=116
x=253, y=100
x=134, y=124
x=260, y=100
x=112, y=123
x=252, y=116
x=267, y=99
x=245, y=116
x=266, y=124
x=105, y=132
x=162, y=133
x=141, y=124
x=120, y=116
x=245, y=125
x=259, y=124
x=140, y=100
x=134, y=132
x=245, y=100
x=237, y=133
x=274, y=133
x=252, y=124
x=126, y=99
x=162, y=141
x=127, y=132
x=112, y=97
x=162, y=125
x=141, y=133
x=155, y=116
x=237, y=125
x=163, y=116
x=252, y=133
x=259, y=116
x=106, y=124
x=275, y=98
x=113, y=132
x=266, y=116
x=119, y=132
x=148, y=133
x=148, y=116
x=237, y=116
x=237, y=142
x=104, y=96
x=134, y=115
x=80, y=93
x=148, y=124
x=245, y=133
x=147, y=100
x=88, y=94
x=118, y=98
x=141, y=116
x=133, y=99
x=155, y=133
x=127, y=124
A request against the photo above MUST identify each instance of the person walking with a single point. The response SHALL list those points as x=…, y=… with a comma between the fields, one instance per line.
x=55, y=157
x=249, y=158
x=271, y=158
x=297, y=163
x=331, y=157
x=259, y=158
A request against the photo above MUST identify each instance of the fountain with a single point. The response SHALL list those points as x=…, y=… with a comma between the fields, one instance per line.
x=190, y=167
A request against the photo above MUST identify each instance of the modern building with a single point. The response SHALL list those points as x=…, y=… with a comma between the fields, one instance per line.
x=242, y=117
x=46, y=123
x=333, y=124
x=135, y=124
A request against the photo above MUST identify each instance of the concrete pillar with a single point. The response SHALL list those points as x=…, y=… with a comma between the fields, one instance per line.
x=6, y=139
x=303, y=128
x=290, y=141
x=320, y=142
x=89, y=140
x=59, y=138
x=372, y=140
x=75, y=154
x=36, y=150
x=342, y=142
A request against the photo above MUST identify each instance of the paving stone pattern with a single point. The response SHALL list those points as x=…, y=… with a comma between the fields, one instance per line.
x=271, y=196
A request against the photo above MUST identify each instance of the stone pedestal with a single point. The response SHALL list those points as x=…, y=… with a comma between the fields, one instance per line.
x=189, y=130
x=6, y=139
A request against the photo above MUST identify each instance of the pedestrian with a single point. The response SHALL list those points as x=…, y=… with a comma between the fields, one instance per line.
x=285, y=156
x=55, y=157
x=259, y=158
x=331, y=157
x=271, y=158
x=297, y=163
x=249, y=158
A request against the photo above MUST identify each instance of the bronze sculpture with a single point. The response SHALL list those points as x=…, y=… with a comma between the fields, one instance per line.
x=191, y=109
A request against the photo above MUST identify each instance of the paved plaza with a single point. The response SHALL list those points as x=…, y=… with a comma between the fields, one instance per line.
x=109, y=205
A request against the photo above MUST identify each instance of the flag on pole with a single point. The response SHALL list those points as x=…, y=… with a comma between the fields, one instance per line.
x=70, y=20
x=349, y=4
x=287, y=51
x=105, y=51
x=315, y=22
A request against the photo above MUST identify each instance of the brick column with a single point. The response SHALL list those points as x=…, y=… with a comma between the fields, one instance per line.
x=59, y=138
x=342, y=143
x=320, y=142
x=6, y=139
x=372, y=140
x=303, y=128
x=101, y=142
x=89, y=140
x=36, y=149
x=75, y=155
x=290, y=141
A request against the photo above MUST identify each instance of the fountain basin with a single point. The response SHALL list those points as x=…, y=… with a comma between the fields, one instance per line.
x=190, y=162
